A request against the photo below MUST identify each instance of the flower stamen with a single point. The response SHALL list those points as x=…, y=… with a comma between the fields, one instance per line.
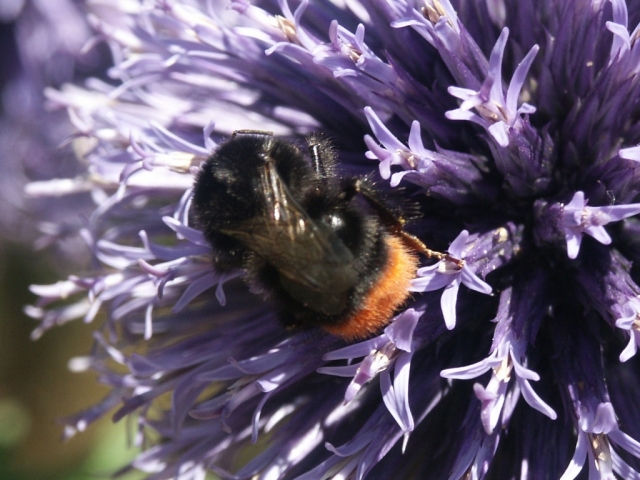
x=289, y=29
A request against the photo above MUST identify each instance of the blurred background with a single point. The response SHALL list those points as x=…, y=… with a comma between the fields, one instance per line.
x=36, y=388
x=40, y=46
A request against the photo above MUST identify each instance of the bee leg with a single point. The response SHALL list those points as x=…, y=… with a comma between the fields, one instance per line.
x=264, y=133
x=394, y=223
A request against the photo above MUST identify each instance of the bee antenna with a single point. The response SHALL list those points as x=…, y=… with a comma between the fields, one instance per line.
x=322, y=156
x=316, y=160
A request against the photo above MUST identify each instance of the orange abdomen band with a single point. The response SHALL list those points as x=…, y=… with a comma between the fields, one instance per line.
x=389, y=292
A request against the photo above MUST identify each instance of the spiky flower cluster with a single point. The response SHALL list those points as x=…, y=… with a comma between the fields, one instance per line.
x=514, y=124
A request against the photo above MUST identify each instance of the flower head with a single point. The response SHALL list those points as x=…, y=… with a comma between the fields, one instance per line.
x=47, y=51
x=511, y=126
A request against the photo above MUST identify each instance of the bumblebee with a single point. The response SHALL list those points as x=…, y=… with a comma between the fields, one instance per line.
x=327, y=249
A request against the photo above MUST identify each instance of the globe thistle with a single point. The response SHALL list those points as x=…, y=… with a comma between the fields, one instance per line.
x=511, y=124
x=46, y=50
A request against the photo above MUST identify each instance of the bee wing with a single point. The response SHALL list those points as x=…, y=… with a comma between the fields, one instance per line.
x=305, y=251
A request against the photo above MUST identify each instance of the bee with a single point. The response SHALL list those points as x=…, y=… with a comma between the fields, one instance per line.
x=327, y=249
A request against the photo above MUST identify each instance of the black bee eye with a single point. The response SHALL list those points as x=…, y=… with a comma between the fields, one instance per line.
x=347, y=225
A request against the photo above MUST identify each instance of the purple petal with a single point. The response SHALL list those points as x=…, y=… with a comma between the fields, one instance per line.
x=573, y=244
x=518, y=79
x=630, y=153
x=619, y=212
x=448, y=303
x=599, y=233
x=456, y=248
x=472, y=281
x=632, y=347
x=622, y=468
x=623, y=440
x=396, y=396
x=432, y=280
x=400, y=332
x=499, y=131
x=194, y=289
x=474, y=370
x=605, y=419
x=578, y=459
x=492, y=400
x=577, y=202
x=534, y=400
x=381, y=132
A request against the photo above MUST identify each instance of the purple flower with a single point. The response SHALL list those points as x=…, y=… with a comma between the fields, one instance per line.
x=578, y=219
x=505, y=361
x=498, y=114
x=598, y=432
x=49, y=37
x=449, y=274
x=508, y=132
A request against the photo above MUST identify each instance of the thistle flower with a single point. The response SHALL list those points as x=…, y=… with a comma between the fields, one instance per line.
x=511, y=123
x=49, y=37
